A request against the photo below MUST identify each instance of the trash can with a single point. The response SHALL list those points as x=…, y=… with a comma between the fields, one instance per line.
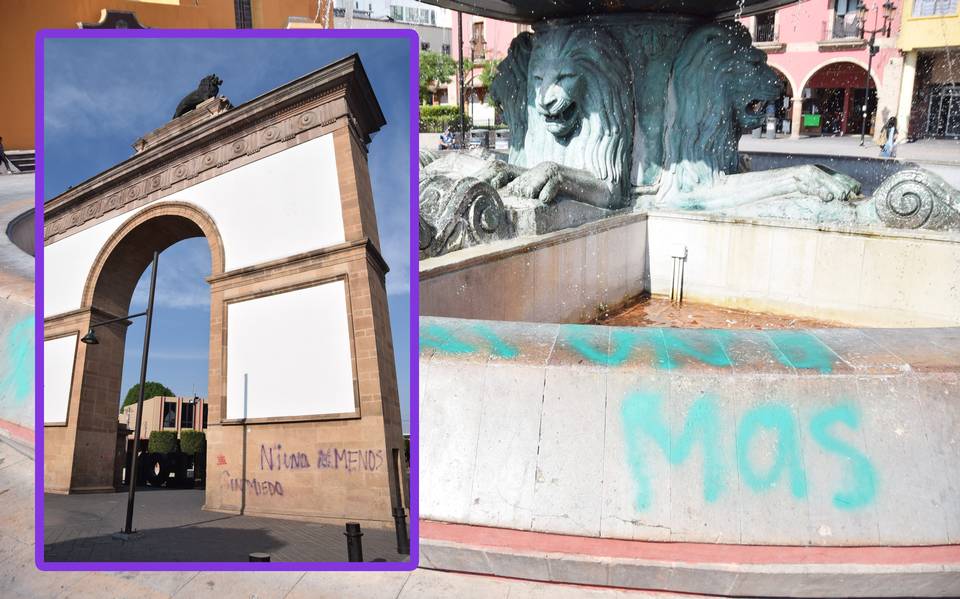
x=502, y=139
x=771, y=127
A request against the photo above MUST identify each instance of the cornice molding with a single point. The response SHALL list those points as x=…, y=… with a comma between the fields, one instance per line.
x=340, y=90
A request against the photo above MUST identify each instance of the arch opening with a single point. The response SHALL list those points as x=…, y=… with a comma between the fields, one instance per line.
x=833, y=99
x=123, y=262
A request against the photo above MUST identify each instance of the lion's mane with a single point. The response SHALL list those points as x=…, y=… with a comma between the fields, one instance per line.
x=510, y=91
x=715, y=74
x=604, y=141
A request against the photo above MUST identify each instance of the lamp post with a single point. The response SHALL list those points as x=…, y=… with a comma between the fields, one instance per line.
x=463, y=118
x=888, y=8
x=91, y=339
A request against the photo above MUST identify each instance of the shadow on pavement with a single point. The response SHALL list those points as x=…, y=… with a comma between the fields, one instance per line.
x=177, y=544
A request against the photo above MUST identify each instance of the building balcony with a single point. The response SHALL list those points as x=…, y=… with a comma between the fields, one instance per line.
x=766, y=37
x=841, y=34
x=360, y=14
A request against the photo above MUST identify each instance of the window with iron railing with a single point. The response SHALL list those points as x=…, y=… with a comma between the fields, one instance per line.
x=765, y=28
x=479, y=45
x=843, y=27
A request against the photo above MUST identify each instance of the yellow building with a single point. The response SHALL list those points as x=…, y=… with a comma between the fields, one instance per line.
x=930, y=88
x=23, y=18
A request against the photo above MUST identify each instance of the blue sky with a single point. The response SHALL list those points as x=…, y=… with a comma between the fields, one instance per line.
x=102, y=94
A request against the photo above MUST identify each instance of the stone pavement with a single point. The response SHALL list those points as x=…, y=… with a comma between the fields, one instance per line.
x=931, y=151
x=16, y=267
x=20, y=579
x=175, y=528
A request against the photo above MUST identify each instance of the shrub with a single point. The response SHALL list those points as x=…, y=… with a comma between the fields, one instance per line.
x=192, y=442
x=162, y=442
x=436, y=118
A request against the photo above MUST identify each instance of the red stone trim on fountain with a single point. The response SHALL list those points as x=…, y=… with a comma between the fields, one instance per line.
x=732, y=570
x=692, y=553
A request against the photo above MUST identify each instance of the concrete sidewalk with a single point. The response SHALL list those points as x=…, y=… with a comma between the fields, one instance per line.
x=929, y=151
x=20, y=579
x=174, y=527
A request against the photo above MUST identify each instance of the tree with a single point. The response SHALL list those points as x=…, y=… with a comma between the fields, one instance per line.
x=487, y=76
x=435, y=69
x=151, y=389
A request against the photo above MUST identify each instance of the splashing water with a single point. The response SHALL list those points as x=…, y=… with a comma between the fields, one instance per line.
x=736, y=17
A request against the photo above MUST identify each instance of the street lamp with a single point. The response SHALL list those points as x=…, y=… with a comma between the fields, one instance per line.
x=91, y=339
x=888, y=8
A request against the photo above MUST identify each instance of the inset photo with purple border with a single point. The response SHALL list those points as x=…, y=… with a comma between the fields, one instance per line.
x=225, y=300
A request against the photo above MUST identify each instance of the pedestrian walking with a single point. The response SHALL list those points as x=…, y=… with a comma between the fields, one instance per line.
x=888, y=138
x=4, y=161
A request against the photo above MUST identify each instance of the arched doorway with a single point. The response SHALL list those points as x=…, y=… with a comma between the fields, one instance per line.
x=92, y=420
x=782, y=105
x=833, y=100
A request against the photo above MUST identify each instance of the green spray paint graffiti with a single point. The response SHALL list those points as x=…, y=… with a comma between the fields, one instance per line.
x=16, y=388
x=643, y=412
x=643, y=417
x=665, y=349
x=780, y=418
x=861, y=479
x=17, y=372
x=442, y=339
x=802, y=351
x=584, y=340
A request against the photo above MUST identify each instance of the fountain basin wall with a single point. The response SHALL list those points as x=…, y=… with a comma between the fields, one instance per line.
x=834, y=437
x=860, y=277
x=566, y=276
x=855, y=276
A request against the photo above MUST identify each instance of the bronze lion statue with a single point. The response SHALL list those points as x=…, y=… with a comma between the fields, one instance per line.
x=209, y=88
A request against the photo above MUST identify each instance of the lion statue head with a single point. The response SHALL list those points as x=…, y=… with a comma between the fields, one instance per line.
x=719, y=87
x=567, y=94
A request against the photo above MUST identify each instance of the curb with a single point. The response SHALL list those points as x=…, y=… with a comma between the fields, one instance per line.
x=916, y=572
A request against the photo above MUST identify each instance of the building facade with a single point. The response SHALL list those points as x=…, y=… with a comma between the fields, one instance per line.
x=821, y=50
x=430, y=22
x=23, y=18
x=166, y=414
x=930, y=90
x=481, y=40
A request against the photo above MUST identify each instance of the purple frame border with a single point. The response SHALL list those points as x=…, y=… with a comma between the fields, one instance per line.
x=414, y=509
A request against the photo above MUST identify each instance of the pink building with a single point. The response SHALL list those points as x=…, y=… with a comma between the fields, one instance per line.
x=483, y=40
x=821, y=51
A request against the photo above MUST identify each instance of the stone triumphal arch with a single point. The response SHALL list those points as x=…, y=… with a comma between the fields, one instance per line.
x=304, y=416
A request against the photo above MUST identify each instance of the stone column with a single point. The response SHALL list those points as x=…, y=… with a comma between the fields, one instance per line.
x=796, y=114
x=907, y=82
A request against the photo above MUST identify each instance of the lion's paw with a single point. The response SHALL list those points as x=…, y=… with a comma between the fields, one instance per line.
x=542, y=182
x=819, y=181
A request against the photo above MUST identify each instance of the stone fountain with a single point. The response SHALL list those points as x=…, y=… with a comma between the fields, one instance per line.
x=620, y=110
x=803, y=462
